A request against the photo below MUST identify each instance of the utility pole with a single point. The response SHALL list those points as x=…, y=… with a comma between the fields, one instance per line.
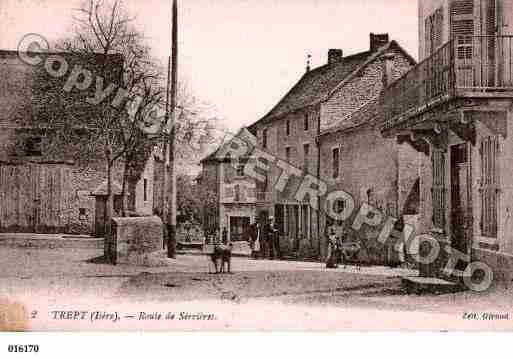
x=170, y=186
x=165, y=152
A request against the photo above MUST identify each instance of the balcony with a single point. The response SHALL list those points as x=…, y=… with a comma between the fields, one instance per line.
x=465, y=67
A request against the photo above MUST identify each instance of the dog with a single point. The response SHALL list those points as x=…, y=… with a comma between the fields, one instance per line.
x=349, y=253
x=222, y=253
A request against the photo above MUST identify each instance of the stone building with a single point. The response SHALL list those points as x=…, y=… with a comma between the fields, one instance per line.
x=46, y=190
x=357, y=159
x=456, y=108
x=234, y=203
x=324, y=97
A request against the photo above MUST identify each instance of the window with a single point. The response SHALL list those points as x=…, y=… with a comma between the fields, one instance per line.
x=287, y=154
x=438, y=190
x=264, y=138
x=339, y=206
x=306, y=156
x=145, y=190
x=237, y=193
x=335, y=158
x=82, y=214
x=240, y=170
x=287, y=129
x=462, y=27
x=33, y=146
x=434, y=31
x=239, y=227
x=306, y=119
x=490, y=188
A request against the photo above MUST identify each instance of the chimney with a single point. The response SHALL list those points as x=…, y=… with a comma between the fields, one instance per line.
x=377, y=41
x=335, y=56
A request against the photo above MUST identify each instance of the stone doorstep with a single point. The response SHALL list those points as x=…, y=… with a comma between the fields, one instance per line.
x=429, y=285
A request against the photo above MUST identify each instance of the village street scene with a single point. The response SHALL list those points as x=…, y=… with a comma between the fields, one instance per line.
x=151, y=179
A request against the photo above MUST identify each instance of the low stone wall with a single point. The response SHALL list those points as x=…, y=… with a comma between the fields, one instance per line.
x=133, y=238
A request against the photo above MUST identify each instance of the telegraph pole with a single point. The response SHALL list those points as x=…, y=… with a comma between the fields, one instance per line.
x=171, y=175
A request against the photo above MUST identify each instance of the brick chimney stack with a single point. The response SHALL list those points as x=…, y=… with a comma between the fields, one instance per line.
x=335, y=56
x=377, y=41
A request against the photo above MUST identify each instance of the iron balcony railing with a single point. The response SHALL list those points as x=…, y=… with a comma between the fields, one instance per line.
x=462, y=67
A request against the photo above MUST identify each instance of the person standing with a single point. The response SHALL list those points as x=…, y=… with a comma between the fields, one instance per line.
x=332, y=261
x=225, y=236
x=274, y=240
x=255, y=243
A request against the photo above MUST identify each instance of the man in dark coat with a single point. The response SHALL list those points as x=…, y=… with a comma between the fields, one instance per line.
x=273, y=240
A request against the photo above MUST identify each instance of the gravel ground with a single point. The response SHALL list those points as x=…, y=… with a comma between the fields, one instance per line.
x=259, y=295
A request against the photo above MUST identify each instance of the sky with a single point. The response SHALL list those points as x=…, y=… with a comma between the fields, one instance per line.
x=239, y=56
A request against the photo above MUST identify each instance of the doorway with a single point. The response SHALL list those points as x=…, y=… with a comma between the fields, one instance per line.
x=239, y=227
x=461, y=198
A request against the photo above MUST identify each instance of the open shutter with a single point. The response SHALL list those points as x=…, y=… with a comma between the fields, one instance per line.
x=490, y=188
x=438, y=28
x=428, y=31
x=439, y=188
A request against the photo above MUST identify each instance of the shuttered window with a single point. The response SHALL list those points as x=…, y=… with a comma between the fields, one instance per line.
x=335, y=156
x=306, y=156
x=433, y=26
x=490, y=188
x=462, y=27
x=439, y=188
x=491, y=29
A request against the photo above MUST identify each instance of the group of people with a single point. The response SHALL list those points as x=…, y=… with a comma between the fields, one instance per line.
x=340, y=248
x=264, y=240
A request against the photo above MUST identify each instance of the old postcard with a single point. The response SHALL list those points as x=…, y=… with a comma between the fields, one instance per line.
x=229, y=165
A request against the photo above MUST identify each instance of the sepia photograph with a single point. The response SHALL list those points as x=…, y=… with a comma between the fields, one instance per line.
x=236, y=165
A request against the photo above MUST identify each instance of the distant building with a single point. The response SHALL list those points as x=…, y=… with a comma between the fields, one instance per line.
x=232, y=202
x=45, y=191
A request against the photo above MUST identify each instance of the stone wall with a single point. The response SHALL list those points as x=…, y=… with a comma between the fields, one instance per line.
x=362, y=88
x=134, y=238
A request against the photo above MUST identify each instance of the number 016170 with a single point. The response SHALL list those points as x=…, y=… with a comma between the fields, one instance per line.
x=23, y=348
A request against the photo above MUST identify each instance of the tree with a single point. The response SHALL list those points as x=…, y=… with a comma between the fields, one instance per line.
x=113, y=109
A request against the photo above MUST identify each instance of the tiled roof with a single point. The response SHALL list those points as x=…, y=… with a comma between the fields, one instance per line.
x=317, y=84
x=243, y=135
x=370, y=113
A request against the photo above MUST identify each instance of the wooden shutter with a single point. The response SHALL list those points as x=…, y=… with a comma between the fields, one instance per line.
x=439, y=188
x=490, y=188
x=428, y=31
x=336, y=162
x=438, y=28
x=462, y=27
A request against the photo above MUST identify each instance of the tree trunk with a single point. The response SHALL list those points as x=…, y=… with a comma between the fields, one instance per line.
x=109, y=209
x=124, y=191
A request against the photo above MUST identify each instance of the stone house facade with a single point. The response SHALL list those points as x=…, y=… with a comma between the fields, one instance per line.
x=357, y=159
x=234, y=192
x=43, y=190
x=323, y=98
x=456, y=109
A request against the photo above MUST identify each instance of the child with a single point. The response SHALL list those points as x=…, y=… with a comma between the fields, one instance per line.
x=332, y=261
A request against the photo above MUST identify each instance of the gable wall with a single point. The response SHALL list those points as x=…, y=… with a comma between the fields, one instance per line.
x=361, y=89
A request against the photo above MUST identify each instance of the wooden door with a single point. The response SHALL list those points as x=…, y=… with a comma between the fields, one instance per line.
x=33, y=198
x=461, y=198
